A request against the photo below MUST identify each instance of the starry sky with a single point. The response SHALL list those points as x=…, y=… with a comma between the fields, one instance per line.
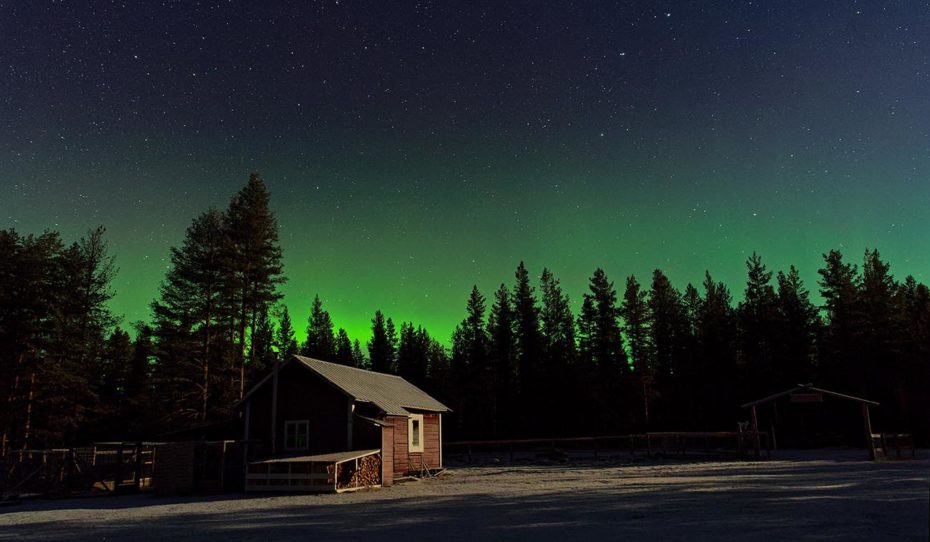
x=415, y=149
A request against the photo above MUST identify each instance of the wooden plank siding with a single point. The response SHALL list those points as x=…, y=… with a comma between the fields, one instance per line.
x=387, y=456
x=301, y=396
x=403, y=459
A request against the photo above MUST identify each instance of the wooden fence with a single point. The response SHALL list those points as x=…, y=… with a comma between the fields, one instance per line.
x=106, y=467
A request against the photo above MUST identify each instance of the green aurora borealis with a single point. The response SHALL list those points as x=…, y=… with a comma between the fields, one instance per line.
x=397, y=185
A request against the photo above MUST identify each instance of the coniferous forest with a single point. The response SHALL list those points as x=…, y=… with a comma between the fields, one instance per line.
x=640, y=354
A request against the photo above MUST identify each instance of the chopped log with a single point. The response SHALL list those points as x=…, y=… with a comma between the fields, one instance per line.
x=367, y=474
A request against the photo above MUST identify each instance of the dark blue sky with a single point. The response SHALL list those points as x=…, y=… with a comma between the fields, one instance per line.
x=413, y=149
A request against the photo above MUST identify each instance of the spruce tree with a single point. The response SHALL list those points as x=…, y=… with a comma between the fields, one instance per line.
x=528, y=342
x=285, y=340
x=382, y=349
x=716, y=332
x=343, y=348
x=358, y=358
x=500, y=374
x=758, y=328
x=413, y=354
x=469, y=362
x=669, y=336
x=915, y=370
x=842, y=364
x=321, y=342
x=636, y=324
x=603, y=347
x=262, y=350
x=559, y=357
x=799, y=326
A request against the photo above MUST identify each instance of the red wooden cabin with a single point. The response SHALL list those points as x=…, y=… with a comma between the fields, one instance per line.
x=311, y=408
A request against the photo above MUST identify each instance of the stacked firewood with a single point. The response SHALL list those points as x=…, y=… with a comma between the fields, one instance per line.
x=368, y=473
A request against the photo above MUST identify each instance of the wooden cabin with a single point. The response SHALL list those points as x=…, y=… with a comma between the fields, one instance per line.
x=310, y=412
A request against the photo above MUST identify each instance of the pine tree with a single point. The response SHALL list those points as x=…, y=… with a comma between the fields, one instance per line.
x=65, y=396
x=321, y=342
x=382, y=349
x=253, y=258
x=28, y=275
x=193, y=372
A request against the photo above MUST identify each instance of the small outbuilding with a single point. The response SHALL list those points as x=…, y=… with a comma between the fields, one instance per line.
x=808, y=394
x=318, y=422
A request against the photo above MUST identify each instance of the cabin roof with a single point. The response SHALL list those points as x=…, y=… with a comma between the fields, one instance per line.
x=390, y=393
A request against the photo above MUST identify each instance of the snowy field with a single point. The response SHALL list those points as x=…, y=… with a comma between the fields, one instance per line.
x=823, y=496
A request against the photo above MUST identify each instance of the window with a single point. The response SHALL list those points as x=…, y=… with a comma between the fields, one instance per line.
x=296, y=435
x=415, y=433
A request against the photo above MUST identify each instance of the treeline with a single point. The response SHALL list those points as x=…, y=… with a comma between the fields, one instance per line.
x=657, y=358
x=646, y=356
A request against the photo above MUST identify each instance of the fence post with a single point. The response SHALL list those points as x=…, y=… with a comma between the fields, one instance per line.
x=69, y=471
x=118, y=476
x=138, y=467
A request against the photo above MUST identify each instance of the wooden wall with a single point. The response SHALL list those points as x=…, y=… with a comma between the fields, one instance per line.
x=301, y=396
x=387, y=456
x=431, y=444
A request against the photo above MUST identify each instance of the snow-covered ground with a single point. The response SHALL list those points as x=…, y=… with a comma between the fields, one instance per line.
x=824, y=495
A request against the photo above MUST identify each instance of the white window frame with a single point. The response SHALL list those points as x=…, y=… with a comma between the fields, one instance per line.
x=296, y=424
x=411, y=447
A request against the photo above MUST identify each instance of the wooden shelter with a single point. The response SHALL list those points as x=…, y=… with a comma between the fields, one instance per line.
x=314, y=414
x=807, y=393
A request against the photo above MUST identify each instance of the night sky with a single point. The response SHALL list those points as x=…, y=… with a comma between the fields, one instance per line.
x=413, y=149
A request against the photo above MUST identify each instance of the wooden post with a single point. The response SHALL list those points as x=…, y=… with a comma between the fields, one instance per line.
x=137, y=474
x=755, y=431
x=350, y=418
x=868, y=431
x=69, y=471
x=274, y=408
x=118, y=476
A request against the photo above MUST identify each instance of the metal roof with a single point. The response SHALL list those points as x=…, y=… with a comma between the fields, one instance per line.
x=337, y=457
x=390, y=393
